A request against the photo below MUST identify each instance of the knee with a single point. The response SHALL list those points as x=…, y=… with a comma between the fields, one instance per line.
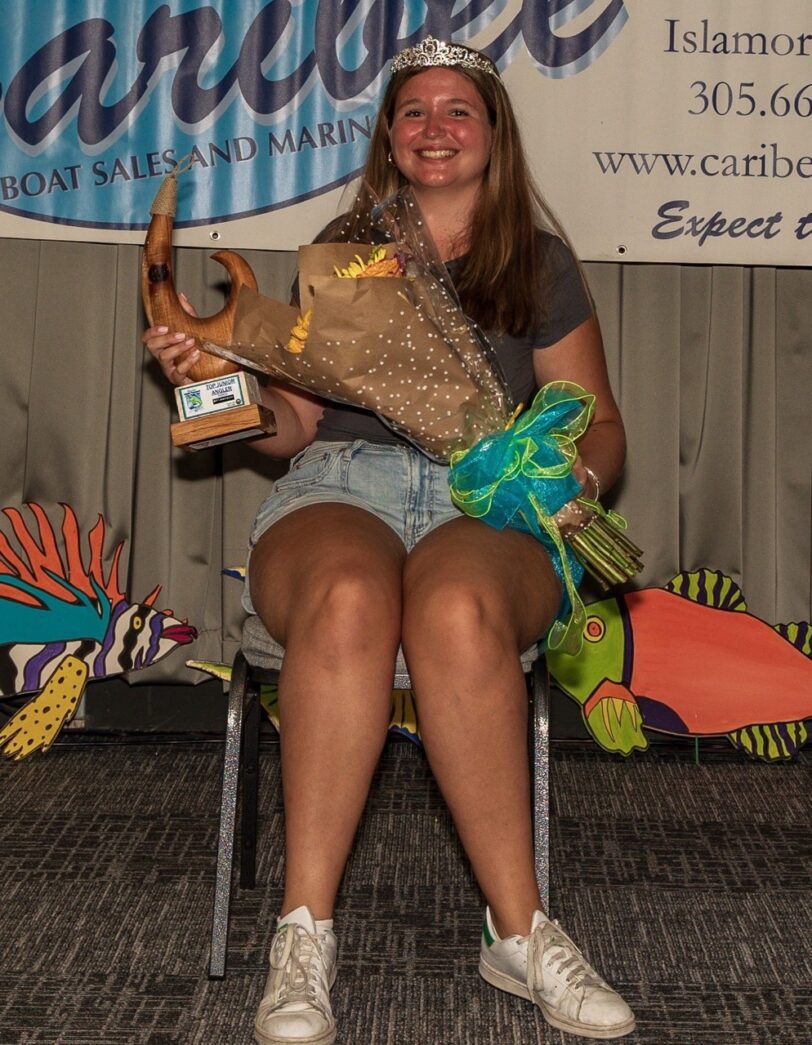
x=346, y=609
x=456, y=618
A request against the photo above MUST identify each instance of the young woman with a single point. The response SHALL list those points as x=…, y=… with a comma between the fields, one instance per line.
x=359, y=549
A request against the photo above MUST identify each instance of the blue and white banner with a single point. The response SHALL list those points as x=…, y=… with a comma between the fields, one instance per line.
x=659, y=130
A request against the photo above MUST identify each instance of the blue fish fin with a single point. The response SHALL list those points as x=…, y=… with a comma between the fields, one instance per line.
x=775, y=742
x=404, y=716
x=708, y=588
x=798, y=634
x=55, y=619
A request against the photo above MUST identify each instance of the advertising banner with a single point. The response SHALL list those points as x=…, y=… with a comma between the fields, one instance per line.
x=658, y=130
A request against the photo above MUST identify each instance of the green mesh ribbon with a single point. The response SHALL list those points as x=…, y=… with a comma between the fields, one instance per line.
x=520, y=477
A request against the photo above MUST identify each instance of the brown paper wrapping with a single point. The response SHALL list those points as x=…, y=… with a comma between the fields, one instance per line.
x=393, y=345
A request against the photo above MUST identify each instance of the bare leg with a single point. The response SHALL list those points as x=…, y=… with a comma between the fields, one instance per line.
x=326, y=581
x=474, y=599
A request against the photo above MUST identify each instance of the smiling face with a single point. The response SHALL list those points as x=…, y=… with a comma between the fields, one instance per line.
x=440, y=133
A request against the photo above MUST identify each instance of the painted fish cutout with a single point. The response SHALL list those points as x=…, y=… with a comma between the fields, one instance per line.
x=63, y=622
x=689, y=660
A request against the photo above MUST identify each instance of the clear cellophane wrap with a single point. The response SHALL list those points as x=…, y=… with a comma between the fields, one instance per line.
x=398, y=345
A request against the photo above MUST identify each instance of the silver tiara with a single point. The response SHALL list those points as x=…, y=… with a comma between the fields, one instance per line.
x=431, y=52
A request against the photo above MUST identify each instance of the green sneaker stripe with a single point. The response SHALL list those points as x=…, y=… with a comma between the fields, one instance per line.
x=489, y=940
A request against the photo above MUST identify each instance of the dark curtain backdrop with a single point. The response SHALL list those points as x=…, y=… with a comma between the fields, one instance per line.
x=711, y=365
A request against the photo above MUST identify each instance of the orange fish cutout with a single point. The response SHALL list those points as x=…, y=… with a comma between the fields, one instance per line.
x=689, y=660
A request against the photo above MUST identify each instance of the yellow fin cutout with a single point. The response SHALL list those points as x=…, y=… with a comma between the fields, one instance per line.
x=35, y=726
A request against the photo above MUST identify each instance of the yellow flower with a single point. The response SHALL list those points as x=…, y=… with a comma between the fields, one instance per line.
x=377, y=264
x=298, y=333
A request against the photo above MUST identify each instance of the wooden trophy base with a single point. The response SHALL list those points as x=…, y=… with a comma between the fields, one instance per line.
x=218, y=411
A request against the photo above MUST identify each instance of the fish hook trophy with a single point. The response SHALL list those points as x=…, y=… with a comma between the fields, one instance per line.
x=223, y=402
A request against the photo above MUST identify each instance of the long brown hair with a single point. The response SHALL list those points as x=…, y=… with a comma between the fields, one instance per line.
x=500, y=280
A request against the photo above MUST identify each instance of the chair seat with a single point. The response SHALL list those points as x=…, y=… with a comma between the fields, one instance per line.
x=264, y=652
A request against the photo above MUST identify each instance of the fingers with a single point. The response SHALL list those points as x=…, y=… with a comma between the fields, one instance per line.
x=187, y=305
x=587, y=478
x=174, y=352
x=572, y=518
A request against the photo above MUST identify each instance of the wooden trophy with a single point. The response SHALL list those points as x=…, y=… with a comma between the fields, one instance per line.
x=223, y=402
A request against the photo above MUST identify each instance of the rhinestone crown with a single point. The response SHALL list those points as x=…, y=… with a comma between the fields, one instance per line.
x=430, y=52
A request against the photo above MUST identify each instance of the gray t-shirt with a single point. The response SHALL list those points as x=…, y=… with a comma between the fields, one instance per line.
x=566, y=306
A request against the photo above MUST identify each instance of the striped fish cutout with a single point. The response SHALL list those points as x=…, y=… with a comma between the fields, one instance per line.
x=56, y=593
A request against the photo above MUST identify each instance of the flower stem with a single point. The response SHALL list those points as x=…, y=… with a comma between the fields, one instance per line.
x=604, y=551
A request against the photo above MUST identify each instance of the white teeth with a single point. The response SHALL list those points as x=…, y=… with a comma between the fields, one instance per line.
x=436, y=154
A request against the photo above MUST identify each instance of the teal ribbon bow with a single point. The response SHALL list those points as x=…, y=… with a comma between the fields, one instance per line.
x=521, y=476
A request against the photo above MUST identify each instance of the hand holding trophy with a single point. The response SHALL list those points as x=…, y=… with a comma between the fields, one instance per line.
x=223, y=402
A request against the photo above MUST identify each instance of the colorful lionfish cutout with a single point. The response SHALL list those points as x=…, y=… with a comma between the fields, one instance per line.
x=689, y=660
x=62, y=622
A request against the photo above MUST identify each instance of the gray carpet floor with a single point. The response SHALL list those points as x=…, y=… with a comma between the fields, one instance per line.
x=688, y=886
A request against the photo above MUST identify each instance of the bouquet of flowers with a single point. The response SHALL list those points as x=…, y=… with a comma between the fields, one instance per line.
x=380, y=326
x=398, y=344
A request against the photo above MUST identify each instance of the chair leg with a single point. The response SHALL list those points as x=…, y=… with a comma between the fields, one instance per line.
x=228, y=812
x=250, y=785
x=540, y=769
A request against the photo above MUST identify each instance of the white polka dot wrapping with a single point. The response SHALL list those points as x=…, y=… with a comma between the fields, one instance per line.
x=397, y=345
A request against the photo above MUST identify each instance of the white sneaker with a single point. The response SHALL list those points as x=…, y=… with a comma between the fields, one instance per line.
x=548, y=969
x=295, y=1009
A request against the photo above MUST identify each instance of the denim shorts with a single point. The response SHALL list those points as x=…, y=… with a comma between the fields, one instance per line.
x=398, y=484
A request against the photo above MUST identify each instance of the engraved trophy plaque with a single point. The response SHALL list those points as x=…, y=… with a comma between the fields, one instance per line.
x=223, y=402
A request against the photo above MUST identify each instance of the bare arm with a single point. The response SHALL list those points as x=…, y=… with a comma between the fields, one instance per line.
x=297, y=414
x=579, y=357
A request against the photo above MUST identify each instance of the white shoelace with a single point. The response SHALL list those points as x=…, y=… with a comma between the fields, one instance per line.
x=550, y=946
x=297, y=958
